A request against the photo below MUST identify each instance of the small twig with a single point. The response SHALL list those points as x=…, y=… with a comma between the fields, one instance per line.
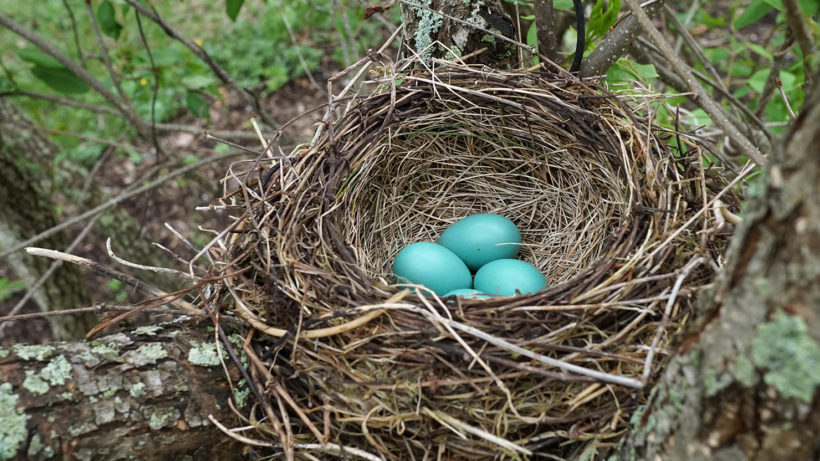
x=118, y=199
x=701, y=96
x=49, y=272
x=797, y=23
x=74, y=32
x=781, y=58
x=85, y=310
x=779, y=84
x=154, y=88
x=106, y=58
x=109, y=272
x=140, y=266
x=650, y=356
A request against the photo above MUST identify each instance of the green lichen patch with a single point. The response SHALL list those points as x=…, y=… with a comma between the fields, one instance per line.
x=744, y=371
x=34, y=384
x=57, y=372
x=148, y=330
x=12, y=423
x=146, y=354
x=158, y=421
x=32, y=352
x=428, y=25
x=789, y=355
x=204, y=355
x=137, y=390
x=240, y=393
x=4, y=353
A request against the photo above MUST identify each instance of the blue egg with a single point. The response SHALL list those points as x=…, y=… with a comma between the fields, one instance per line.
x=503, y=277
x=431, y=265
x=468, y=293
x=481, y=238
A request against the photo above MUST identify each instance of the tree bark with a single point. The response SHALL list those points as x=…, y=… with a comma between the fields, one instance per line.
x=430, y=30
x=27, y=210
x=145, y=394
x=745, y=383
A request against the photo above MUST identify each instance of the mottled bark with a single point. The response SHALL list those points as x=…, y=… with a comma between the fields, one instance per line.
x=27, y=209
x=143, y=395
x=745, y=382
x=429, y=29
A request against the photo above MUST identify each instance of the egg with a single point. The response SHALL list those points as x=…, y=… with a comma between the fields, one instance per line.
x=481, y=238
x=503, y=276
x=468, y=293
x=431, y=265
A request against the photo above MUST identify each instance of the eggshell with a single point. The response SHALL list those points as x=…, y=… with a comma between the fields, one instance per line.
x=468, y=293
x=431, y=265
x=481, y=238
x=503, y=276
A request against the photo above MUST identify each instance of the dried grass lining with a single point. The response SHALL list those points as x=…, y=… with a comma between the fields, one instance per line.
x=602, y=204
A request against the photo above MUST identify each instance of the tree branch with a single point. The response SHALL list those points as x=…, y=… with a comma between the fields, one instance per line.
x=545, y=29
x=798, y=26
x=46, y=47
x=615, y=44
x=701, y=96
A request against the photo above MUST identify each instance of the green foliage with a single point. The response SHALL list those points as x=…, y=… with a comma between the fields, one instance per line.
x=601, y=19
x=9, y=287
x=791, y=357
x=232, y=8
x=52, y=73
x=107, y=19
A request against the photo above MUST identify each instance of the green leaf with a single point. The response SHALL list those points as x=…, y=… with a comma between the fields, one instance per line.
x=61, y=80
x=232, y=8
x=532, y=37
x=760, y=50
x=38, y=58
x=809, y=7
x=756, y=10
x=107, y=18
x=9, y=287
x=196, y=104
x=600, y=21
x=776, y=3
x=198, y=81
x=758, y=80
x=562, y=4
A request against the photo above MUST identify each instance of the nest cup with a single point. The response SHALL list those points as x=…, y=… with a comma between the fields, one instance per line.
x=608, y=212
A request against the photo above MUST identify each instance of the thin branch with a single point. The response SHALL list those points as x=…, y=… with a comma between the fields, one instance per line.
x=701, y=96
x=74, y=32
x=118, y=199
x=200, y=52
x=781, y=58
x=696, y=48
x=797, y=24
x=154, y=88
x=105, y=56
x=80, y=72
x=545, y=28
x=615, y=44
x=48, y=273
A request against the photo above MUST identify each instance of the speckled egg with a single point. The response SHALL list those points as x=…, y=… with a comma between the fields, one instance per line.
x=481, y=238
x=503, y=277
x=431, y=265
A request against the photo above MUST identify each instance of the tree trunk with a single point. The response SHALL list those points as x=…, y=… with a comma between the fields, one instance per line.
x=429, y=30
x=27, y=210
x=745, y=383
x=145, y=394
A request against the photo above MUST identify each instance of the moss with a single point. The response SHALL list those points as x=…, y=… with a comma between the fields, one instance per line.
x=12, y=423
x=137, y=390
x=204, y=354
x=35, y=352
x=791, y=357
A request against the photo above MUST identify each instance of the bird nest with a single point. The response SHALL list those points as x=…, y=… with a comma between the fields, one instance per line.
x=622, y=225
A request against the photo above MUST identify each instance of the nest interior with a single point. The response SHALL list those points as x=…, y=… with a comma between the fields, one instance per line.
x=608, y=212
